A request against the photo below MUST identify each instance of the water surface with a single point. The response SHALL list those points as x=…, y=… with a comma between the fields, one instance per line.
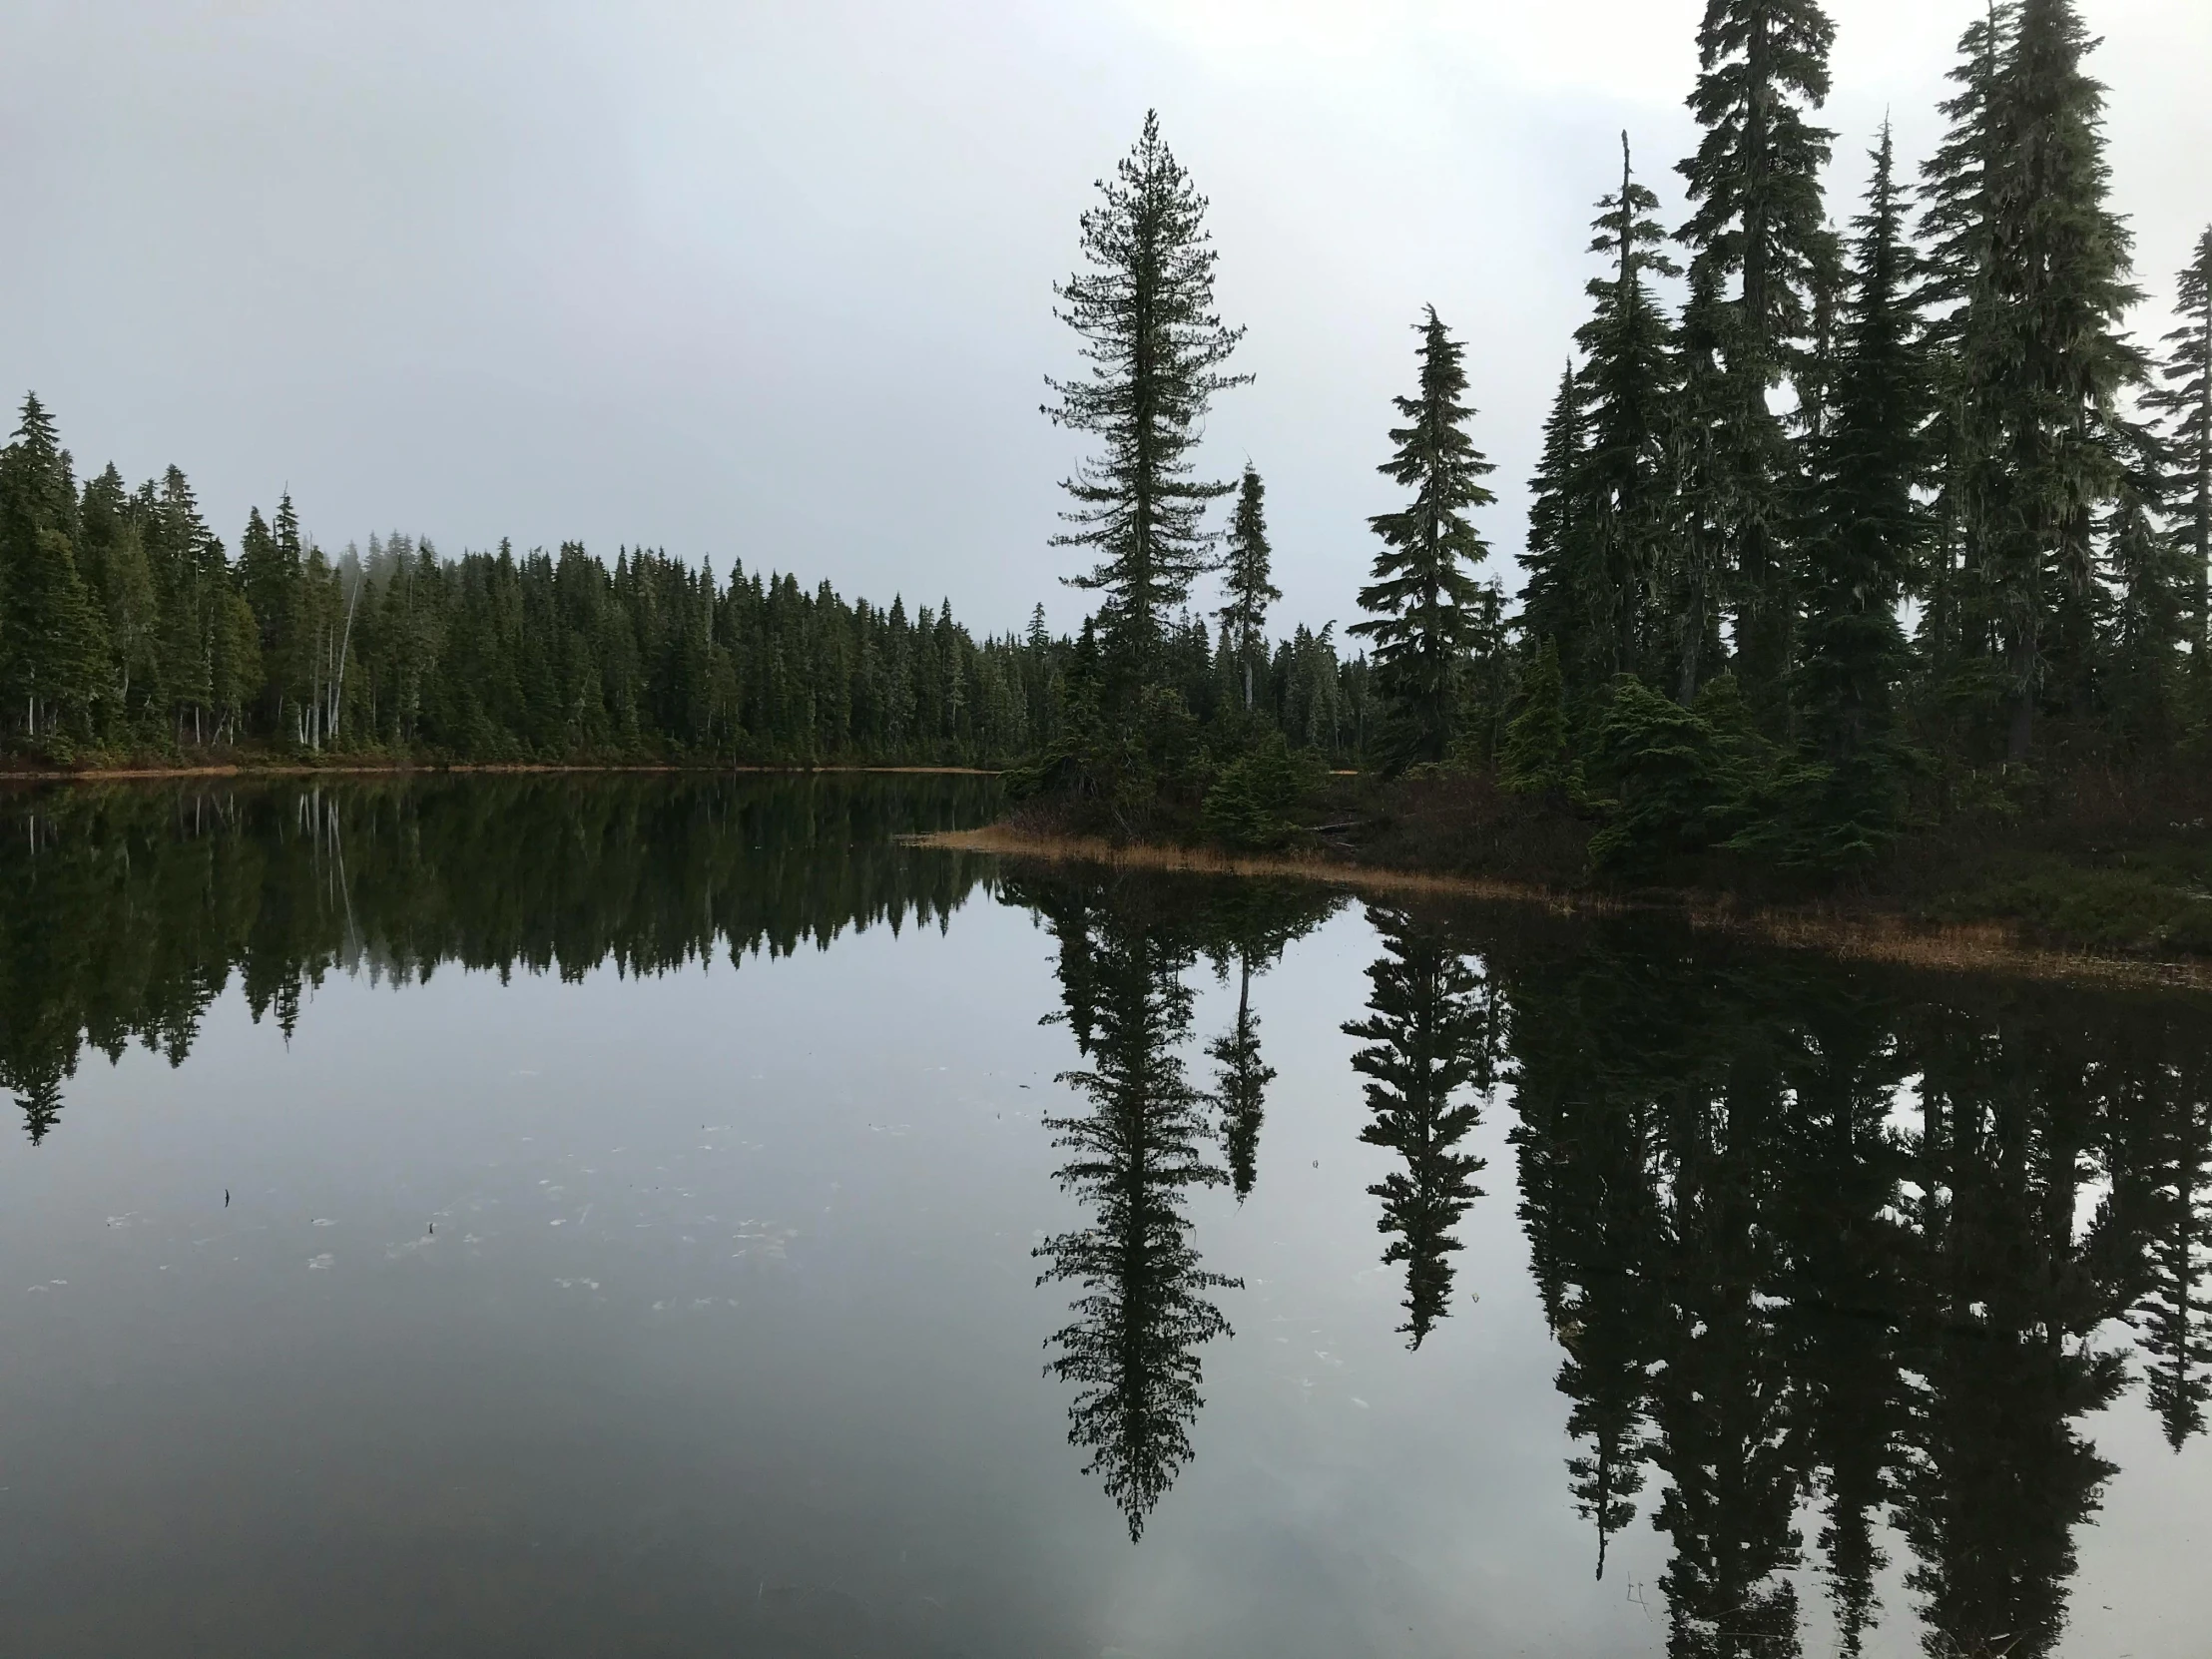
x=550, y=1217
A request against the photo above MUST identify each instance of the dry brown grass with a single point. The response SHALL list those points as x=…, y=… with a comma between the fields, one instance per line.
x=398, y=769
x=1975, y=947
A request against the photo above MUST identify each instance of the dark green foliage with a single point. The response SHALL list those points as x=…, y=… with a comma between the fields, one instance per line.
x=1754, y=181
x=122, y=622
x=1869, y=525
x=1600, y=520
x=1429, y=1035
x=1145, y=313
x=1662, y=777
x=52, y=649
x=2033, y=265
x=1245, y=583
x=2184, y=399
x=1537, y=759
x=1424, y=603
x=1253, y=805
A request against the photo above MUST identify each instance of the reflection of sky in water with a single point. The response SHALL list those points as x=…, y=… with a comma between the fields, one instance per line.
x=656, y=1315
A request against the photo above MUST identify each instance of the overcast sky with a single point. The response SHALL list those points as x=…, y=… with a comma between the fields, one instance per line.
x=773, y=281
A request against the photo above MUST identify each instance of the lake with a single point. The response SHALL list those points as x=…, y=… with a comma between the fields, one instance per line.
x=670, y=1216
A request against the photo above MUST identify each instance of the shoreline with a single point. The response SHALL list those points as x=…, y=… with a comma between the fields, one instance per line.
x=1976, y=947
x=398, y=769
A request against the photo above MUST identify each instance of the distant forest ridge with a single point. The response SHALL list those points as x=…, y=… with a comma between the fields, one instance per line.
x=128, y=624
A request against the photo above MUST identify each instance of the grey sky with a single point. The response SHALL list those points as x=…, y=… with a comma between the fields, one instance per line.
x=773, y=281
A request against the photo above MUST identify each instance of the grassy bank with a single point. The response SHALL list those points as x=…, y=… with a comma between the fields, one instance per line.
x=2089, y=878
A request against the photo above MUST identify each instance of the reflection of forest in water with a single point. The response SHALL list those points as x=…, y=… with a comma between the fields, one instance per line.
x=1813, y=1239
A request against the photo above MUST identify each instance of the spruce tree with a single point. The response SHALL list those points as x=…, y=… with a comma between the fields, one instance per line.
x=1424, y=601
x=1869, y=526
x=1144, y=311
x=1245, y=577
x=2184, y=399
x=1755, y=182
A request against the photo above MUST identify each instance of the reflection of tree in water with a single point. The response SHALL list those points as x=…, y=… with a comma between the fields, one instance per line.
x=130, y=909
x=2175, y=1318
x=1240, y=1084
x=1430, y=1036
x=1808, y=1235
x=1251, y=924
x=1143, y=1308
x=1144, y=1302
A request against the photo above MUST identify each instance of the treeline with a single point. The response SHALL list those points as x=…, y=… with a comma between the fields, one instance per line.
x=130, y=910
x=1866, y=525
x=126, y=625
x=1833, y=533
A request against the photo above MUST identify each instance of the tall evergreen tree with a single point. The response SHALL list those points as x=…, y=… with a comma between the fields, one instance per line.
x=1754, y=181
x=1145, y=313
x=1549, y=606
x=2035, y=265
x=1245, y=578
x=112, y=540
x=1592, y=586
x=1424, y=601
x=2186, y=400
x=1867, y=464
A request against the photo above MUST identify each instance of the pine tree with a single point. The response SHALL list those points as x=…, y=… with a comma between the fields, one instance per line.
x=2186, y=400
x=1424, y=604
x=1145, y=313
x=1245, y=578
x=1755, y=179
x=1867, y=464
x=52, y=650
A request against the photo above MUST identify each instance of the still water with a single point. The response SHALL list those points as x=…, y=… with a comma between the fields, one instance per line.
x=672, y=1217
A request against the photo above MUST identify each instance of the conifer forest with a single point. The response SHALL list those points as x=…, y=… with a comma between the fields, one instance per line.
x=1853, y=520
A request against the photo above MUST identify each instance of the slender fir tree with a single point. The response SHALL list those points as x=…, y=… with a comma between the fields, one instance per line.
x=1424, y=599
x=1245, y=578
x=1758, y=222
x=1144, y=311
x=2184, y=399
x=1549, y=606
x=1618, y=510
x=1867, y=464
